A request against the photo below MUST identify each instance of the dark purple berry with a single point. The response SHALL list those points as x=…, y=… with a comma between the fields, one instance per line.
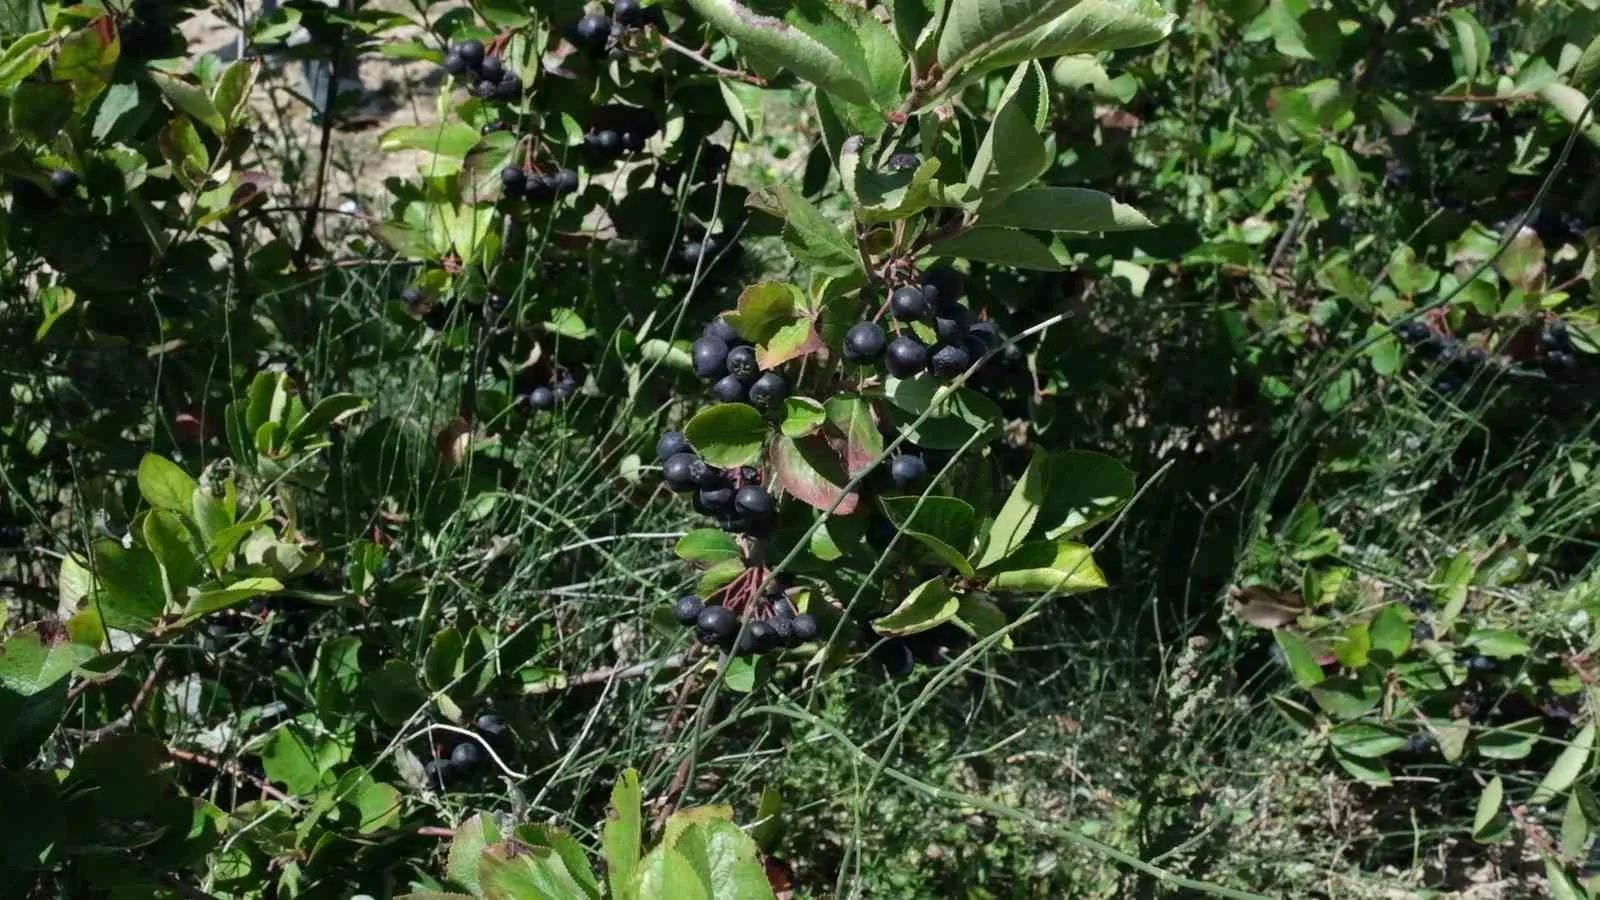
x=754, y=502
x=467, y=755
x=949, y=361
x=908, y=471
x=471, y=53
x=742, y=363
x=492, y=69
x=513, y=179
x=542, y=398
x=64, y=181
x=676, y=471
x=909, y=303
x=864, y=342
x=769, y=391
x=687, y=610
x=671, y=444
x=628, y=13
x=906, y=356
x=729, y=389
x=710, y=357
x=716, y=625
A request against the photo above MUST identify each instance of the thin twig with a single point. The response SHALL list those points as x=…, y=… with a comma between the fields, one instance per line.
x=601, y=676
x=234, y=769
x=746, y=77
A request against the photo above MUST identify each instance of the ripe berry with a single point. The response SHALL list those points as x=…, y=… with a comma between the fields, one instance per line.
x=454, y=64
x=65, y=181
x=593, y=32
x=675, y=471
x=513, y=179
x=608, y=142
x=864, y=342
x=691, y=253
x=629, y=13
x=756, y=638
x=742, y=363
x=804, y=628
x=687, y=609
x=909, y=303
x=542, y=398
x=782, y=631
x=908, y=471
x=541, y=189
x=632, y=141
x=440, y=773
x=716, y=625
x=492, y=725
x=1414, y=332
x=770, y=390
x=566, y=181
x=729, y=389
x=707, y=476
x=566, y=386
x=509, y=87
x=467, y=755
x=412, y=296
x=949, y=330
x=471, y=53
x=716, y=501
x=492, y=68
x=748, y=475
x=906, y=356
x=754, y=502
x=947, y=283
x=485, y=89
x=895, y=657
x=719, y=328
x=950, y=361
x=987, y=333
x=710, y=357
x=671, y=444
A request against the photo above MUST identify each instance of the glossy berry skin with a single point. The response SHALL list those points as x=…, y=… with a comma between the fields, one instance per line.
x=906, y=356
x=706, y=476
x=608, y=142
x=986, y=333
x=454, y=64
x=468, y=755
x=676, y=472
x=486, y=89
x=710, y=357
x=719, y=328
x=754, y=502
x=716, y=501
x=540, y=189
x=508, y=87
x=492, y=69
x=542, y=398
x=471, y=53
x=593, y=32
x=769, y=391
x=628, y=13
x=492, y=725
x=782, y=631
x=566, y=386
x=566, y=181
x=756, y=638
x=716, y=625
x=909, y=303
x=671, y=444
x=742, y=363
x=65, y=181
x=865, y=342
x=513, y=179
x=687, y=609
x=947, y=283
x=729, y=389
x=950, y=361
x=908, y=471
x=804, y=628
x=949, y=330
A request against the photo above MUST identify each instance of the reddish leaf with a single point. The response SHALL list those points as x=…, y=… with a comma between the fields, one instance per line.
x=810, y=471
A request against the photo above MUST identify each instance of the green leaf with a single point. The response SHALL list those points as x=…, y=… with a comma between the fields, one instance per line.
x=165, y=485
x=185, y=152
x=1063, y=209
x=801, y=416
x=288, y=760
x=1016, y=518
x=329, y=411
x=729, y=434
x=241, y=591
x=520, y=872
x=1567, y=767
x=1585, y=74
x=86, y=58
x=945, y=525
x=22, y=57
x=1498, y=643
x=1562, y=886
x=131, y=594
x=466, y=850
x=1365, y=740
x=1391, y=633
x=1488, y=808
x=1058, y=566
x=665, y=874
x=621, y=836
x=1302, y=664
x=812, y=239
x=976, y=28
x=336, y=677
x=707, y=545
x=190, y=100
x=445, y=145
x=442, y=664
x=852, y=415
x=1001, y=246
x=719, y=575
x=1089, y=26
x=763, y=309
x=808, y=470
x=980, y=617
x=1013, y=154
x=782, y=43
x=1510, y=742
x=1574, y=827
x=725, y=859
x=30, y=662
x=929, y=605
x=1297, y=715
x=232, y=94
x=169, y=539
x=1364, y=769
x=956, y=414
x=1084, y=489
x=1352, y=647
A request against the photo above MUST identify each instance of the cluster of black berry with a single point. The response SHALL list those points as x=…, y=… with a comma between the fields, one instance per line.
x=1461, y=361
x=537, y=187
x=593, y=33
x=462, y=759
x=734, y=497
x=1557, y=356
x=547, y=397
x=960, y=338
x=709, y=248
x=724, y=358
x=616, y=131
x=487, y=76
x=772, y=623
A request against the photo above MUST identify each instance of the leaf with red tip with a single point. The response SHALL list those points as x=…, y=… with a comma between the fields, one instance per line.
x=809, y=471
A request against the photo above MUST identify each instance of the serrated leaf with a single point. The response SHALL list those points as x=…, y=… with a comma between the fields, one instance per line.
x=812, y=239
x=976, y=28
x=763, y=309
x=621, y=836
x=728, y=434
x=1089, y=26
x=808, y=470
x=1013, y=154
x=1059, y=567
x=929, y=605
x=779, y=43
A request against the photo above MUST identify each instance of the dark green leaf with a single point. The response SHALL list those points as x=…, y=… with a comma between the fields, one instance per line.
x=707, y=545
x=1001, y=246
x=1063, y=209
x=1016, y=518
x=1302, y=664
x=729, y=434
x=165, y=485
x=929, y=605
